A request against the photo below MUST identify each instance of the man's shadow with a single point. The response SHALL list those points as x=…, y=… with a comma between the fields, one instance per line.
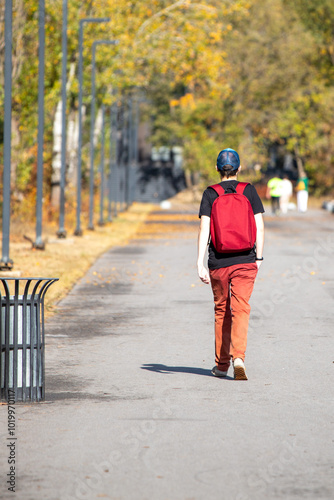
x=167, y=370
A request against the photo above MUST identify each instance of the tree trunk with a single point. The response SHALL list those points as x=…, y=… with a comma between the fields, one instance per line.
x=300, y=164
x=57, y=143
x=98, y=127
x=72, y=146
x=56, y=157
x=18, y=53
x=188, y=178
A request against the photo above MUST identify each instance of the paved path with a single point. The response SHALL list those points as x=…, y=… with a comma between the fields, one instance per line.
x=132, y=411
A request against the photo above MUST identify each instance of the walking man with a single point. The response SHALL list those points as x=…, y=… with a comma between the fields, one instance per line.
x=231, y=273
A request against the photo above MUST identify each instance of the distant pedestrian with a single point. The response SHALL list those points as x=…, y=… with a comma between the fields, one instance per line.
x=287, y=190
x=274, y=192
x=302, y=193
x=231, y=273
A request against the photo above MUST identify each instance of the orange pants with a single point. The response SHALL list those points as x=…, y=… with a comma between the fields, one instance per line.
x=232, y=287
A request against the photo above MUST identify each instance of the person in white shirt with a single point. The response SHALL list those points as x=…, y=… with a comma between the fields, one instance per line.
x=286, y=194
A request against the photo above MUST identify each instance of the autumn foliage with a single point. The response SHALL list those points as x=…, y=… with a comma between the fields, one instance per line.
x=247, y=74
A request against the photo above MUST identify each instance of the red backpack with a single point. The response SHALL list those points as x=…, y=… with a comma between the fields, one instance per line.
x=232, y=224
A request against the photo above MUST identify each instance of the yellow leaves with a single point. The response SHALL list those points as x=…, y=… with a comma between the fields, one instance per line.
x=215, y=36
x=174, y=102
x=187, y=101
x=166, y=37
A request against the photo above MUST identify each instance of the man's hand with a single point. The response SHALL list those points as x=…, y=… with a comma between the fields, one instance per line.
x=203, y=274
x=258, y=263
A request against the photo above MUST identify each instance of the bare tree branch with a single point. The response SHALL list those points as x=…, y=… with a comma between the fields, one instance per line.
x=167, y=10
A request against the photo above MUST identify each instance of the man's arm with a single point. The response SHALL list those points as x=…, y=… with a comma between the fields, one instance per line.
x=203, y=238
x=259, y=237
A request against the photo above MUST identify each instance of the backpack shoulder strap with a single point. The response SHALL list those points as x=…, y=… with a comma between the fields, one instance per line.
x=218, y=188
x=241, y=187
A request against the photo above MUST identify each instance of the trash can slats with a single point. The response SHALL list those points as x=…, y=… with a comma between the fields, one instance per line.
x=22, y=353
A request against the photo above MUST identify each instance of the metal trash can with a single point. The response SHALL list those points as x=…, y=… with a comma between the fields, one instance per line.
x=22, y=374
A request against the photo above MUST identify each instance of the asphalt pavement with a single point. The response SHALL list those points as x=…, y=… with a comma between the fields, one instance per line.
x=132, y=411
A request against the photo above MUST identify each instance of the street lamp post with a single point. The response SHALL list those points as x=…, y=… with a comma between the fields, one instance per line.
x=61, y=233
x=124, y=160
x=78, y=230
x=39, y=244
x=101, y=221
x=135, y=147
x=113, y=154
x=130, y=153
x=92, y=126
x=6, y=262
x=117, y=174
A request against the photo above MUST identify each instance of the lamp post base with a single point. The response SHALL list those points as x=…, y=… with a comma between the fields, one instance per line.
x=61, y=234
x=39, y=246
x=6, y=265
